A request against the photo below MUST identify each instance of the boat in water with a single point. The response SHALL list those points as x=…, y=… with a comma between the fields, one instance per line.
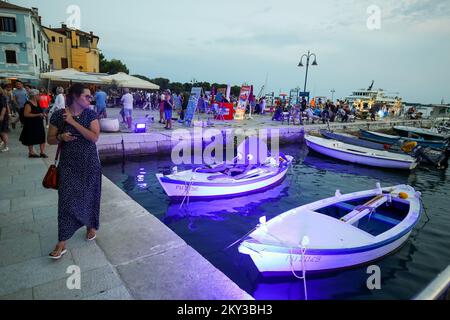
x=397, y=140
x=337, y=232
x=360, y=155
x=425, y=155
x=426, y=134
x=253, y=170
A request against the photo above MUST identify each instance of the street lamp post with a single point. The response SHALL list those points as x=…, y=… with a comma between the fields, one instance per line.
x=308, y=56
x=332, y=94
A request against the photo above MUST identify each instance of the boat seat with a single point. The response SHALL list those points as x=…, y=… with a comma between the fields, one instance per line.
x=375, y=215
x=361, y=211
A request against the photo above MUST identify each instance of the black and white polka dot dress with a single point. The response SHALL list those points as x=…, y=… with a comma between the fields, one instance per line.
x=80, y=178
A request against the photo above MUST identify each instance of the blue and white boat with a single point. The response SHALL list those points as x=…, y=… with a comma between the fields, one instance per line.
x=426, y=134
x=337, y=232
x=250, y=174
x=393, y=140
x=360, y=155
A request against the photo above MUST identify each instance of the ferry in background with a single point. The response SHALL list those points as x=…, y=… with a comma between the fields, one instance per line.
x=364, y=99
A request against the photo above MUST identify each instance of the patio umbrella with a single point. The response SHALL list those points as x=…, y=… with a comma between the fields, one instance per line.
x=127, y=81
x=73, y=75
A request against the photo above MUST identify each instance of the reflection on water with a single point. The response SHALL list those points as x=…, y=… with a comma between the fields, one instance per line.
x=211, y=226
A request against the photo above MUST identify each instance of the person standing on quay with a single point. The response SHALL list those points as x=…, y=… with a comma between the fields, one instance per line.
x=100, y=103
x=80, y=178
x=4, y=121
x=168, y=107
x=127, y=101
x=33, y=131
x=44, y=103
x=60, y=100
x=20, y=96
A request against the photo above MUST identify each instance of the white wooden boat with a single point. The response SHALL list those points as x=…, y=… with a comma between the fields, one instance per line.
x=360, y=155
x=338, y=232
x=202, y=186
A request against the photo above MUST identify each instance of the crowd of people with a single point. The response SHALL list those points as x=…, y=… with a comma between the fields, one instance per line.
x=31, y=108
x=313, y=111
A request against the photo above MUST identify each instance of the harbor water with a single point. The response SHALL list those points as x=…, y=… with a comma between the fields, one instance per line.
x=211, y=226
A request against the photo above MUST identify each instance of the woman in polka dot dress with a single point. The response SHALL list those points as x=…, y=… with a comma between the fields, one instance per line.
x=79, y=167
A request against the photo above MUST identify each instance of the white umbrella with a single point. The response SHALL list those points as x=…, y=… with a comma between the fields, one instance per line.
x=67, y=75
x=125, y=80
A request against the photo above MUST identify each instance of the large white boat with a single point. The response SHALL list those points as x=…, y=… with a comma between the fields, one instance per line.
x=364, y=99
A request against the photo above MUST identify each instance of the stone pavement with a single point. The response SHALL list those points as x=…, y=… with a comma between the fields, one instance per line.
x=135, y=256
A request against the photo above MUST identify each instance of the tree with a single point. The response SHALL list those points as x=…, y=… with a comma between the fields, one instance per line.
x=236, y=91
x=112, y=67
x=163, y=83
x=141, y=77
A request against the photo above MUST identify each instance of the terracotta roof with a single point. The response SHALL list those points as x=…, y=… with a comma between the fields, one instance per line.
x=64, y=30
x=7, y=5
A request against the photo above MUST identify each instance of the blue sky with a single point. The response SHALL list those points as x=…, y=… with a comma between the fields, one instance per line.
x=242, y=41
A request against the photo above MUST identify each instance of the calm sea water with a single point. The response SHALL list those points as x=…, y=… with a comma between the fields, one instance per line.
x=210, y=227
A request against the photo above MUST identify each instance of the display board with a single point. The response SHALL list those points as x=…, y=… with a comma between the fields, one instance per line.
x=196, y=92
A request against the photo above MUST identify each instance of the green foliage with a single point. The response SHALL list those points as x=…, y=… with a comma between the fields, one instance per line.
x=163, y=83
x=141, y=77
x=112, y=67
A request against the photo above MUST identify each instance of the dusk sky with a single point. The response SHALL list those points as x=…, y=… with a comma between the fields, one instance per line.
x=242, y=41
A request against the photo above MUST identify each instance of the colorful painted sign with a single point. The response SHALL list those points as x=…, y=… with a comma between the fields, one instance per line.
x=242, y=102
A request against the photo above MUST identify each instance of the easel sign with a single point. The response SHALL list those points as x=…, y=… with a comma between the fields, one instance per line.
x=196, y=92
x=242, y=102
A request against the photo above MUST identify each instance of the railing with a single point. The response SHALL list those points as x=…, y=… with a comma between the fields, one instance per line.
x=438, y=289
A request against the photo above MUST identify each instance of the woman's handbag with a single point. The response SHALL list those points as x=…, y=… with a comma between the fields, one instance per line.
x=51, y=179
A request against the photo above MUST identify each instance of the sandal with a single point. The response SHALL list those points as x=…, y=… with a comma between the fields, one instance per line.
x=63, y=252
x=91, y=238
x=33, y=156
x=43, y=155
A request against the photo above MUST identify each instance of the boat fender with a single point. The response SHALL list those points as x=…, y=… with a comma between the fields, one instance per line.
x=403, y=195
x=338, y=193
x=409, y=146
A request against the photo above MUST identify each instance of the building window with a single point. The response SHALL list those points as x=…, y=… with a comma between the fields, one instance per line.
x=8, y=24
x=51, y=64
x=53, y=39
x=60, y=40
x=10, y=56
x=64, y=63
x=34, y=31
x=36, y=60
x=39, y=36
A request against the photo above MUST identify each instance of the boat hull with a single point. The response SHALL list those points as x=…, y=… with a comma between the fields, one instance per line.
x=385, y=139
x=424, y=133
x=360, y=158
x=274, y=262
x=177, y=190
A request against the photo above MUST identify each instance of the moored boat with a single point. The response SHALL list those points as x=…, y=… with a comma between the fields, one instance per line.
x=426, y=134
x=360, y=155
x=337, y=232
x=392, y=140
x=248, y=174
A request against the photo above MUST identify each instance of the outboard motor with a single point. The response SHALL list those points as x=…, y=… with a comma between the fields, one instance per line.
x=420, y=153
x=442, y=163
